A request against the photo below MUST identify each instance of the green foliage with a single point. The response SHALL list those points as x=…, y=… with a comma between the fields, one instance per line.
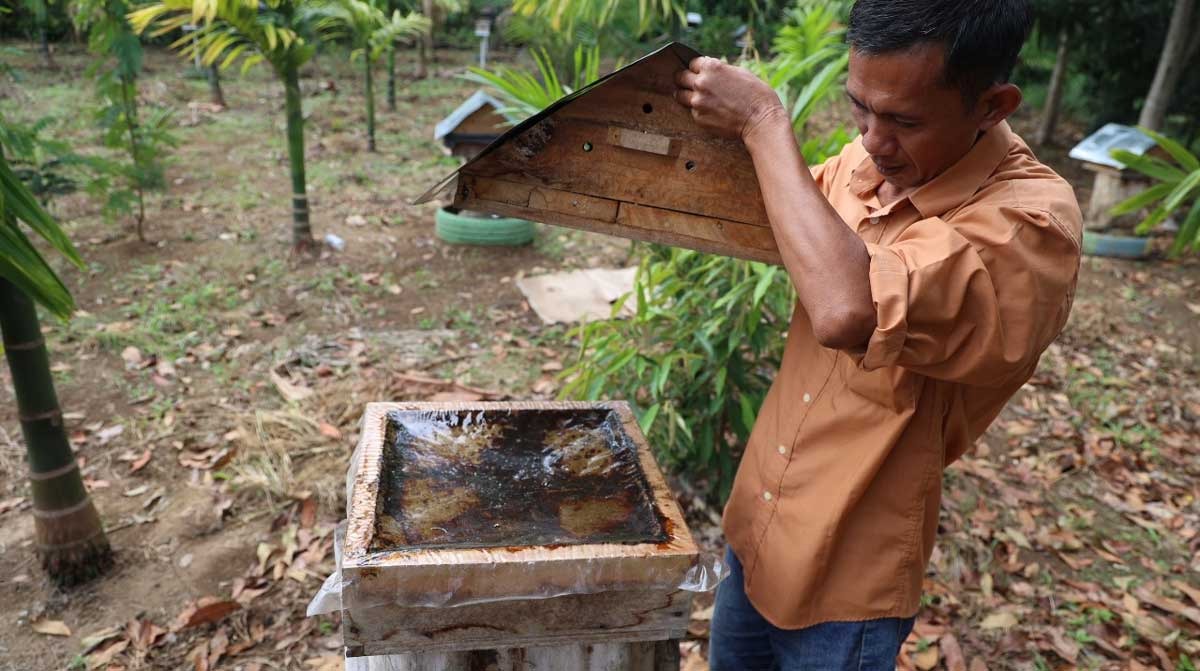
x=50, y=167
x=810, y=58
x=20, y=261
x=365, y=26
x=615, y=28
x=1178, y=188
x=1115, y=46
x=707, y=334
x=527, y=94
x=281, y=32
x=695, y=359
x=144, y=140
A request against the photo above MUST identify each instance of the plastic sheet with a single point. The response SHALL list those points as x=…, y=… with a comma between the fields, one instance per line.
x=541, y=503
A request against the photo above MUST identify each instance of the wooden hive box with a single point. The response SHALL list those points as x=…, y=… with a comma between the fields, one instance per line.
x=622, y=157
x=479, y=526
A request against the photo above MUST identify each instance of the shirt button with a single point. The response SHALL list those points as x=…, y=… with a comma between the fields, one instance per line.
x=767, y=496
x=874, y=220
x=807, y=398
x=782, y=449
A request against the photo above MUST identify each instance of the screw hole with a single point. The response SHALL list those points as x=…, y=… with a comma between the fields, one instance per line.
x=647, y=108
x=587, y=146
x=690, y=165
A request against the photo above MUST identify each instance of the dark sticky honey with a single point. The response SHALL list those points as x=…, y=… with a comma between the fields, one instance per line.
x=516, y=478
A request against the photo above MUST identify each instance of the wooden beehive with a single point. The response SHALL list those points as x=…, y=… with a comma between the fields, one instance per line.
x=622, y=157
x=509, y=525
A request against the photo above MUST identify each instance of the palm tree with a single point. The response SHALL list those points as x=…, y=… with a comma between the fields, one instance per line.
x=370, y=33
x=70, y=535
x=281, y=32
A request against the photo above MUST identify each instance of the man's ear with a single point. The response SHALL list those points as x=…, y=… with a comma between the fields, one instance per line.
x=997, y=103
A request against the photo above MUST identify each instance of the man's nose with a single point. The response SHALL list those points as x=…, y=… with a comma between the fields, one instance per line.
x=877, y=141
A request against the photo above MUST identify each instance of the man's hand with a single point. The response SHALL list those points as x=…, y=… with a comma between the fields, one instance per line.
x=726, y=100
x=825, y=258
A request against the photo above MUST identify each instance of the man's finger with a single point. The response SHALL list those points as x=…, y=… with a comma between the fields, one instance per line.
x=696, y=63
x=686, y=79
x=685, y=97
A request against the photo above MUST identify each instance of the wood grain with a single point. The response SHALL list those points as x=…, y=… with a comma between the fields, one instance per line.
x=507, y=597
x=627, y=154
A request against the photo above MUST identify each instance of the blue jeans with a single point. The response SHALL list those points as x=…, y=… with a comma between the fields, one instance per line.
x=742, y=640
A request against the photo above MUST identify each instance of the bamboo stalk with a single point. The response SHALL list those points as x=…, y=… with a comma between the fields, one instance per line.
x=301, y=229
x=70, y=535
x=391, y=83
x=370, y=102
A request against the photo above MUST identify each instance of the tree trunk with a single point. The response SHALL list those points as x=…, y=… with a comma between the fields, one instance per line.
x=41, y=17
x=47, y=59
x=430, y=8
x=302, y=239
x=1058, y=81
x=370, y=102
x=422, y=64
x=214, y=87
x=391, y=84
x=1170, y=67
x=70, y=535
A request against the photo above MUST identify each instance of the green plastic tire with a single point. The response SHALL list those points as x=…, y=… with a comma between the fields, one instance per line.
x=462, y=228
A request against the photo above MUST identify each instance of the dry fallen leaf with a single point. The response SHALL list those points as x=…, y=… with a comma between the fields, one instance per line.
x=1002, y=620
x=952, y=652
x=325, y=663
x=291, y=392
x=102, y=658
x=206, y=610
x=329, y=431
x=926, y=659
x=1191, y=592
x=51, y=628
x=140, y=463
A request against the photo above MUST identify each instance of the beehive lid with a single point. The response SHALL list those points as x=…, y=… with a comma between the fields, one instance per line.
x=622, y=157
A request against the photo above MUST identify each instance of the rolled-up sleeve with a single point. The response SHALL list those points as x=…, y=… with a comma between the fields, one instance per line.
x=975, y=300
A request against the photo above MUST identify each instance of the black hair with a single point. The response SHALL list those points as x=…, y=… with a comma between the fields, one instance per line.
x=982, y=37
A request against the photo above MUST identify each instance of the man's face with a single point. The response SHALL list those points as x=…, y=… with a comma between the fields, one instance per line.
x=913, y=125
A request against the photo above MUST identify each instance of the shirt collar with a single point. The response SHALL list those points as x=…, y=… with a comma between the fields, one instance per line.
x=954, y=186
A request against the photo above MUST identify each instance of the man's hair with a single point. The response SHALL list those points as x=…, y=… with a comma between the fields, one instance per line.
x=982, y=38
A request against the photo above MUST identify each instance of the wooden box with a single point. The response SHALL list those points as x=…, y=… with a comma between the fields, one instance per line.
x=508, y=525
x=622, y=157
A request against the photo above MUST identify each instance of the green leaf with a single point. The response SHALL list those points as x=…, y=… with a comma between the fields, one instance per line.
x=1141, y=200
x=646, y=421
x=1182, y=192
x=764, y=283
x=1177, y=151
x=1188, y=236
x=1149, y=165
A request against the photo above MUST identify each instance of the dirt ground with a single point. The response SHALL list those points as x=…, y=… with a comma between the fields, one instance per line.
x=212, y=385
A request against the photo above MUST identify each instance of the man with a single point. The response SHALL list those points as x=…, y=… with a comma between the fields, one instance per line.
x=934, y=260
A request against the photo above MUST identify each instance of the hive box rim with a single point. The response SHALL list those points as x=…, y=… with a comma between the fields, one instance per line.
x=365, y=491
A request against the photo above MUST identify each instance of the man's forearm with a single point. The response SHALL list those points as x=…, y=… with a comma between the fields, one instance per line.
x=827, y=261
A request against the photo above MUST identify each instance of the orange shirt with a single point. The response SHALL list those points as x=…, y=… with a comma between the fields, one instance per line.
x=835, y=506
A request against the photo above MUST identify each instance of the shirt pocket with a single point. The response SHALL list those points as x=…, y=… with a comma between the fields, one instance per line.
x=891, y=387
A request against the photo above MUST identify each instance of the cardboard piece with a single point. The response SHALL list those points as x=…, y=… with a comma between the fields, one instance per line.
x=578, y=296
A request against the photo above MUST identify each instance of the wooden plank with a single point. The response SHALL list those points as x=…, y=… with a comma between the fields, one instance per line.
x=638, y=656
x=723, y=237
x=626, y=220
x=709, y=176
x=616, y=616
x=639, y=140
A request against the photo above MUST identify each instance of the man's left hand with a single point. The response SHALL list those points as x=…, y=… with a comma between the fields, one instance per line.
x=726, y=100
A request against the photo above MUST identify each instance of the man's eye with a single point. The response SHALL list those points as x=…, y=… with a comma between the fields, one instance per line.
x=906, y=124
